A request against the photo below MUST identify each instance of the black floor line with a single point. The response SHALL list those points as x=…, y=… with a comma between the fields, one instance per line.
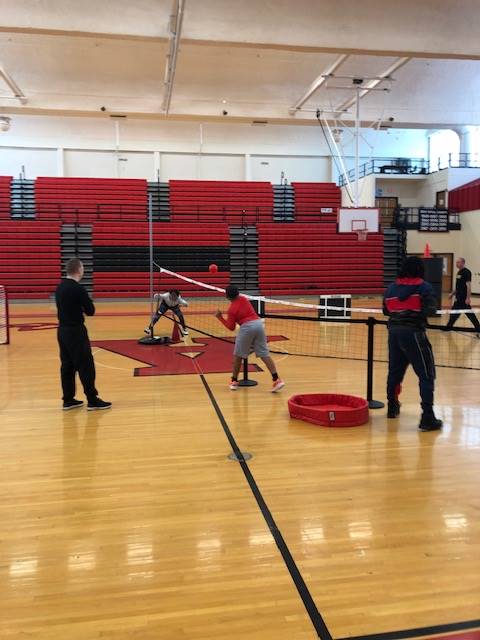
x=469, y=625
x=310, y=606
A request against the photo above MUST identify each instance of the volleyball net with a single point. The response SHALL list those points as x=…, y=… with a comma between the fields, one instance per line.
x=332, y=326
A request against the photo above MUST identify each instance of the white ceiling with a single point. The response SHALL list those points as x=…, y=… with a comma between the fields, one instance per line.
x=253, y=59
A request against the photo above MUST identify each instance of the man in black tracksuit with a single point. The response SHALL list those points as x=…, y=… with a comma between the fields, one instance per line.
x=462, y=293
x=408, y=301
x=75, y=352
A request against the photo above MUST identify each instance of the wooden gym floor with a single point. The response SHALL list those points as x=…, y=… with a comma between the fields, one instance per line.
x=133, y=524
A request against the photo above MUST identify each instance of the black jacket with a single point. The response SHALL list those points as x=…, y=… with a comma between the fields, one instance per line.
x=408, y=302
x=72, y=302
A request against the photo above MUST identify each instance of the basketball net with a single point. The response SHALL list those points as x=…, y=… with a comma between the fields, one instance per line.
x=362, y=235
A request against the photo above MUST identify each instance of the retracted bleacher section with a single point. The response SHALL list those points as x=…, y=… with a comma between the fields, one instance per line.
x=30, y=258
x=121, y=256
x=213, y=200
x=308, y=258
x=312, y=197
x=5, y=195
x=298, y=254
x=89, y=199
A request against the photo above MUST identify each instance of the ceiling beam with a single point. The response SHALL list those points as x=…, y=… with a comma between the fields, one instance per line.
x=176, y=21
x=13, y=86
x=373, y=83
x=317, y=83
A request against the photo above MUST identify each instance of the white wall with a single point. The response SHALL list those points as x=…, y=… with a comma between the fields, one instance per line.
x=211, y=150
x=405, y=190
x=457, y=177
x=427, y=189
x=295, y=168
x=35, y=162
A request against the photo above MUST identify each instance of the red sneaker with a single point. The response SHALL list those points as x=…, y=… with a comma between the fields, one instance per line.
x=277, y=385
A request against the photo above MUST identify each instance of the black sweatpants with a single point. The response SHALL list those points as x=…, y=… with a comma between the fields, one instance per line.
x=409, y=345
x=461, y=304
x=76, y=355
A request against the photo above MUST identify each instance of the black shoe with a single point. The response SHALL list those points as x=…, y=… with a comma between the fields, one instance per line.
x=72, y=404
x=429, y=422
x=98, y=404
x=393, y=409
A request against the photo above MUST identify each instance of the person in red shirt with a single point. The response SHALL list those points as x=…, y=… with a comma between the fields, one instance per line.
x=250, y=337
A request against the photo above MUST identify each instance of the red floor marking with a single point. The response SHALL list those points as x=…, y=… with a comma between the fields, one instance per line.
x=470, y=635
x=210, y=354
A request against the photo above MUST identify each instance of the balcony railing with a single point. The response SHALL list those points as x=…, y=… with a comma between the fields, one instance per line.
x=400, y=166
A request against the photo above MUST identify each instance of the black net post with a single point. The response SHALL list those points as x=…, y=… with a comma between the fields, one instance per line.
x=246, y=382
x=372, y=404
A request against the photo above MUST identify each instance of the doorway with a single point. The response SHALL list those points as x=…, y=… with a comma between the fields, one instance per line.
x=386, y=210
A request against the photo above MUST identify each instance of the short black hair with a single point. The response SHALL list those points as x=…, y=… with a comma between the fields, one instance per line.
x=412, y=267
x=232, y=292
x=175, y=292
x=73, y=266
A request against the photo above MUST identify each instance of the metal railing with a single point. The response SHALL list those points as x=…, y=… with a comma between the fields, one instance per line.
x=400, y=166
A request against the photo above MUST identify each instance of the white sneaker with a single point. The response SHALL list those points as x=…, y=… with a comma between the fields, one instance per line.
x=183, y=331
x=277, y=385
x=234, y=385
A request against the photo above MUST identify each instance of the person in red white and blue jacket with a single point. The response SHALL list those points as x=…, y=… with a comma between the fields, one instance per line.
x=408, y=302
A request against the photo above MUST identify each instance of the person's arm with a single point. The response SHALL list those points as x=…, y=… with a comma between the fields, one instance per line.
x=229, y=322
x=182, y=302
x=469, y=291
x=429, y=302
x=87, y=304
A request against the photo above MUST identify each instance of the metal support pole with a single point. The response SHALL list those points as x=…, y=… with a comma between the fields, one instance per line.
x=150, y=242
x=357, y=140
x=246, y=382
x=372, y=404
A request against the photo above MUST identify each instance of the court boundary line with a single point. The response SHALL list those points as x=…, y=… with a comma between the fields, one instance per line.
x=302, y=589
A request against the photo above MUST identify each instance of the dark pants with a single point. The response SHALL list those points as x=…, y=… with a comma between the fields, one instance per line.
x=163, y=308
x=76, y=355
x=461, y=304
x=408, y=345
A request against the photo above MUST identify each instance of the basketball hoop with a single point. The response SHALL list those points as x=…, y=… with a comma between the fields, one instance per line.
x=362, y=235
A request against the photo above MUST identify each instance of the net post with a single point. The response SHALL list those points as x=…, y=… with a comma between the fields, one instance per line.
x=150, y=243
x=7, y=320
x=372, y=404
x=246, y=382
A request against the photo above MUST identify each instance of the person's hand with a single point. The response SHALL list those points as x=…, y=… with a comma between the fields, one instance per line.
x=467, y=301
x=218, y=313
x=451, y=295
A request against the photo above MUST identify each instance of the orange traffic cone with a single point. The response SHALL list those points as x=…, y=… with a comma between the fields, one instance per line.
x=175, y=332
x=426, y=251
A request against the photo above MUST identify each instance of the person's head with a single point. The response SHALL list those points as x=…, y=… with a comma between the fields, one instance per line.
x=174, y=293
x=232, y=292
x=74, y=269
x=412, y=267
x=460, y=263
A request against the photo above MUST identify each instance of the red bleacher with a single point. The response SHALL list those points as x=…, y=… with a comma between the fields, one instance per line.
x=5, y=196
x=312, y=197
x=210, y=200
x=466, y=197
x=90, y=199
x=305, y=258
x=116, y=284
x=30, y=258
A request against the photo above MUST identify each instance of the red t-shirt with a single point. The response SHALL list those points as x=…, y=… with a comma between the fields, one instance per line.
x=240, y=311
